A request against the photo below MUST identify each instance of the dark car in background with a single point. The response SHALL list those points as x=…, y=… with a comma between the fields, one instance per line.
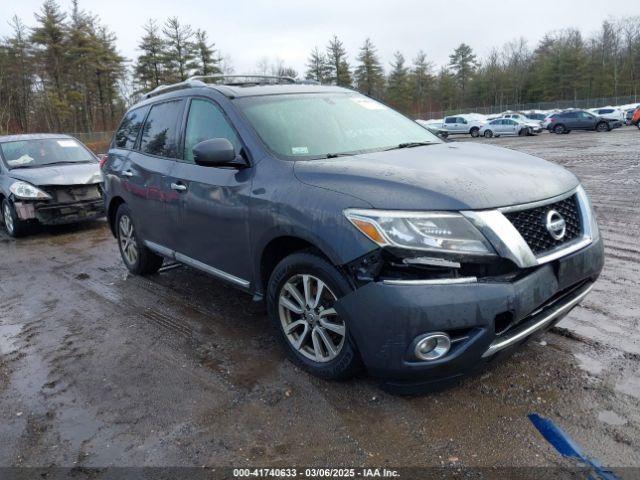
x=374, y=243
x=564, y=122
x=47, y=179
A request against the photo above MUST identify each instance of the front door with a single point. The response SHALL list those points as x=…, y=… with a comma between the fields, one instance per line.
x=214, y=201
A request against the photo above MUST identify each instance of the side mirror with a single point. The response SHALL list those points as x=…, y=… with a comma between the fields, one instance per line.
x=217, y=152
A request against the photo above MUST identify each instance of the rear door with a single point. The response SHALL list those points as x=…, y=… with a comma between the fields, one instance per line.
x=152, y=197
x=214, y=201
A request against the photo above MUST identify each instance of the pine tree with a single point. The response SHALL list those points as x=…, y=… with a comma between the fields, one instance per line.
x=422, y=83
x=179, y=49
x=398, y=87
x=49, y=38
x=19, y=74
x=369, y=76
x=446, y=88
x=149, y=67
x=340, y=73
x=317, y=67
x=205, y=61
x=463, y=63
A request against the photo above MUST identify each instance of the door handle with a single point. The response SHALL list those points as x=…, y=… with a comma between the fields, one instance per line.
x=127, y=173
x=181, y=187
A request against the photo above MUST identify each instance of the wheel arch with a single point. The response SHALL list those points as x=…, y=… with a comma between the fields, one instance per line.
x=278, y=248
x=114, y=204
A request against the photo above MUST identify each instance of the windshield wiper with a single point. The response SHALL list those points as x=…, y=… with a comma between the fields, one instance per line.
x=410, y=145
x=342, y=154
x=67, y=162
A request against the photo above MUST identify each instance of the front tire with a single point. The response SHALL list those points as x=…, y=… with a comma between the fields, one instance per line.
x=488, y=134
x=474, y=132
x=138, y=259
x=301, y=293
x=602, y=127
x=12, y=224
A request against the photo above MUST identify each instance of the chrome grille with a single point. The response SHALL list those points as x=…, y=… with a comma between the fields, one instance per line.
x=531, y=224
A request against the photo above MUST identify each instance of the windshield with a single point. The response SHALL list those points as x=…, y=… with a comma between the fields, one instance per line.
x=49, y=151
x=320, y=125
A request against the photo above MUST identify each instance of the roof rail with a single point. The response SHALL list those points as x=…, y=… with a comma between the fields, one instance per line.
x=188, y=83
x=230, y=80
x=223, y=79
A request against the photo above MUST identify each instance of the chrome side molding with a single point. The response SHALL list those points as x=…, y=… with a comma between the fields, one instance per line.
x=544, y=321
x=192, y=262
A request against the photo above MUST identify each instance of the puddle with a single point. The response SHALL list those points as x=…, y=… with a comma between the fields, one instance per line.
x=7, y=335
x=611, y=418
x=588, y=364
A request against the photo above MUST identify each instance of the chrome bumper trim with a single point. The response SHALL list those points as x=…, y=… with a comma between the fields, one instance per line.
x=433, y=281
x=545, y=320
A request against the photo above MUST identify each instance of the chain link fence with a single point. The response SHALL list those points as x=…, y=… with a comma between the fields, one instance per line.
x=558, y=104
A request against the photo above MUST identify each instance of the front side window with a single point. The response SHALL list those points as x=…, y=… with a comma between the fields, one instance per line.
x=43, y=152
x=127, y=133
x=160, y=132
x=206, y=121
x=321, y=124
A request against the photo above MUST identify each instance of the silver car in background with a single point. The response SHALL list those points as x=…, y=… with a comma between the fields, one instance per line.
x=508, y=126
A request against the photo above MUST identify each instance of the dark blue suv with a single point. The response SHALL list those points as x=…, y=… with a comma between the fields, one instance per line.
x=374, y=243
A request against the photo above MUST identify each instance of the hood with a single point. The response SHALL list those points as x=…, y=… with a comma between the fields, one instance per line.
x=447, y=176
x=80, y=174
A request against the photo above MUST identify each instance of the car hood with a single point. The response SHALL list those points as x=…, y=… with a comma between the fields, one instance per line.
x=447, y=176
x=80, y=174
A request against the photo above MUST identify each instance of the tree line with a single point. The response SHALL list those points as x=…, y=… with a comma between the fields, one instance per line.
x=64, y=73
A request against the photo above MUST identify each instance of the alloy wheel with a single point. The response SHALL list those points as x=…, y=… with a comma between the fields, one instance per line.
x=310, y=323
x=8, y=219
x=127, y=239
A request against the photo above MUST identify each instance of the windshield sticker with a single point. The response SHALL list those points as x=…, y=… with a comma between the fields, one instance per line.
x=67, y=143
x=368, y=104
x=300, y=150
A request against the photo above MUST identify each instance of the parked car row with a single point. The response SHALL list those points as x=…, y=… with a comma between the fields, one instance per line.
x=531, y=122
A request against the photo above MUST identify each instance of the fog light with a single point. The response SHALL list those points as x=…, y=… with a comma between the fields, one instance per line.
x=433, y=346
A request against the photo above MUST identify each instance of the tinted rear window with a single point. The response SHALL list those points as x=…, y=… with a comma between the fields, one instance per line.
x=127, y=133
x=160, y=133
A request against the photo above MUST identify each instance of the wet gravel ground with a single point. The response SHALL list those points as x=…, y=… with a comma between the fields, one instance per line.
x=101, y=368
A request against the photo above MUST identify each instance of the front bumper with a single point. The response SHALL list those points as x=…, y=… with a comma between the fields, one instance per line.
x=48, y=213
x=385, y=319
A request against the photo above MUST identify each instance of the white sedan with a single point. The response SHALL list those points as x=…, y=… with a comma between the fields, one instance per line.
x=508, y=126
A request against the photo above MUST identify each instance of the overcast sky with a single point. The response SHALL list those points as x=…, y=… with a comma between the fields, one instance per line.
x=248, y=30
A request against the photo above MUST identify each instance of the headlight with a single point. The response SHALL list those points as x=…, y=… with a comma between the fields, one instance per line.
x=434, y=231
x=27, y=191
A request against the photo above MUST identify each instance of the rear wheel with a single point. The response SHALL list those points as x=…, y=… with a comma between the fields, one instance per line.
x=559, y=129
x=136, y=256
x=12, y=224
x=475, y=132
x=301, y=295
x=488, y=134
